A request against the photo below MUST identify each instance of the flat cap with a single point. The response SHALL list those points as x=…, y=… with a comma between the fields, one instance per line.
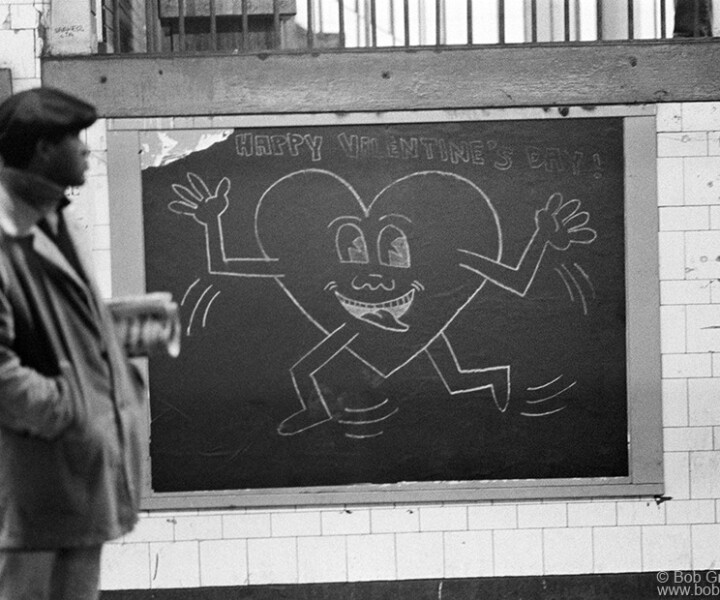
x=34, y=113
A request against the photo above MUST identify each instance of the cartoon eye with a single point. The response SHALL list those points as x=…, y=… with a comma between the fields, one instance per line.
x=393, y=248
x=350, y=244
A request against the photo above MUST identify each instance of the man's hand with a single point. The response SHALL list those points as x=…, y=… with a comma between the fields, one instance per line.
x=562, y=223
x=198, y=202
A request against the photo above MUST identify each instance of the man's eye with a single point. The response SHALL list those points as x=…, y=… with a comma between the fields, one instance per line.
x=350, y=244
x=393, y=248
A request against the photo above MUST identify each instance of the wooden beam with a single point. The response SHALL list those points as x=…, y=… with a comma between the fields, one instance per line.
x=537, y=75
x=201, y=8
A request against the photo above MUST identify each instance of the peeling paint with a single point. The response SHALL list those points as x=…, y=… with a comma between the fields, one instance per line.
x=159, y=148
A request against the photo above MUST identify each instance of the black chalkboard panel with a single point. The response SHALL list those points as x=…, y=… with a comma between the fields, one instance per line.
x=389, y=303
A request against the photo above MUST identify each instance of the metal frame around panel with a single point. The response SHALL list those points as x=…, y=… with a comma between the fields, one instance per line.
x=642, y=289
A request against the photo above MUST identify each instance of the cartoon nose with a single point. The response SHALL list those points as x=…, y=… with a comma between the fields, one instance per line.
x=373, y=282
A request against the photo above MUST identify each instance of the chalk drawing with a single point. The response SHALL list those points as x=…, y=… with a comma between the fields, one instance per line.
x=386, y=307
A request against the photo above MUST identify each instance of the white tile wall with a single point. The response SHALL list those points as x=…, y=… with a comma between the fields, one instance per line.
x=443, y=518
x=617, y=549
x=682, y=144
x=518, y=552
x=705, y=547
x=643, y=512
x=174, y=564
x=371, y=557
x=468, y=554
x=420, y=555
x=670, y=181
x=272, y=560
x=223, y=562
x=251, y=547
x=295, y=524
x=345, y=522
x=690, y=511
x=677, y=474
x=675, y=402
x=592, y=514
x=704, y=469
x=126, y=566
x=386, y=520
x=666, y=548
x=322, y=559
x=250, y=525
x=704, y=404
x=568, y=550
x=542, y=515
x=493, y=516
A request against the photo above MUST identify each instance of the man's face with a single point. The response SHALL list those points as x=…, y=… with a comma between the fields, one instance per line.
x=67, y=160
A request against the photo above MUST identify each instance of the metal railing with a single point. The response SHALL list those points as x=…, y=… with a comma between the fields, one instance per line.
x=246, y=26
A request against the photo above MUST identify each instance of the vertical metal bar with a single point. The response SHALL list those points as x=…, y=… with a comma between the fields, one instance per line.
x=663, y=19
x=310, y=34
x=501, y=21
x=578, y=20
x=276, y=24
x=438, y=22
x=213, y=26
x=181, y=25
x=358, y=28
x=159, y=33
x=245, y=25
x=150, y=27
x=406, y=21
x=116, y=27
x=599, y=18
x=393, y=28
x=341, y=21
x=373, y=24
x=566, y=20
x=533, y=21
x=469, y=12
x=631, y=19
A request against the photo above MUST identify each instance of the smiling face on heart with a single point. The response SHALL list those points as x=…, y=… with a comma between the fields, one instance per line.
x=387, y=269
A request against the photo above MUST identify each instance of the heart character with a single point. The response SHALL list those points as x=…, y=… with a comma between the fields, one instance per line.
x=386, y=270
x=382, y=279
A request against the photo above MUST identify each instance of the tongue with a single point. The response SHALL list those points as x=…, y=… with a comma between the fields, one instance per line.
x=385, y=320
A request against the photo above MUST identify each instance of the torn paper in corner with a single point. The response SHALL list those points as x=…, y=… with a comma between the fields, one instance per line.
x=159, y=148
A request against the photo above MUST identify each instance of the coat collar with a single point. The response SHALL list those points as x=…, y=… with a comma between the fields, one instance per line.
x=21, y=194
x=28, y=198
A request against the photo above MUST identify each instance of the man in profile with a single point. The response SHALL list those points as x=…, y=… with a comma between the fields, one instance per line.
x=71, y=406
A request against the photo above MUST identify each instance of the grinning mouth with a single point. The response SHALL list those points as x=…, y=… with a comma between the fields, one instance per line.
x=360, y=310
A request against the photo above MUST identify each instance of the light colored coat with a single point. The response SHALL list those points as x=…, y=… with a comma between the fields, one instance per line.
x=72, y=410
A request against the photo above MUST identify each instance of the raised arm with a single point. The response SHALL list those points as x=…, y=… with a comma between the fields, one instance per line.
x=558, y=224
x=207, y=208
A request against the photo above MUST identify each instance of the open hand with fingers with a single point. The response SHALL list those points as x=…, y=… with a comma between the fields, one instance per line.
x=563, y=223
x=197, y=200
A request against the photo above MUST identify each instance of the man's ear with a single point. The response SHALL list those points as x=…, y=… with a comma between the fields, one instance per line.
x=42, y=148
x=41, y=156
